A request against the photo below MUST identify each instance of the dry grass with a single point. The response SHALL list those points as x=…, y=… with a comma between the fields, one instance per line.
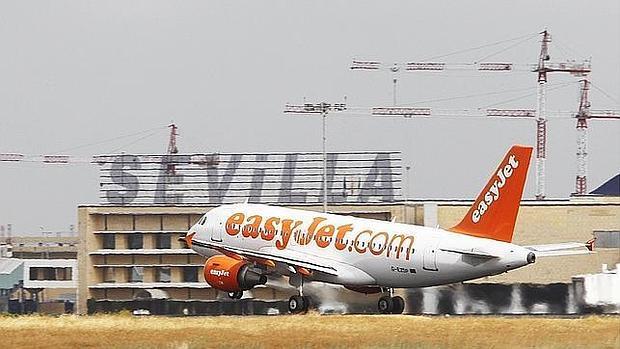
x=309, y=331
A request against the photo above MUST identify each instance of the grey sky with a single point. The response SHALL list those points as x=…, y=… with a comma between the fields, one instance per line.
x=76, y=72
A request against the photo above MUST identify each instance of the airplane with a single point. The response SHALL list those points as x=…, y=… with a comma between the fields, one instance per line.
x=247, y=244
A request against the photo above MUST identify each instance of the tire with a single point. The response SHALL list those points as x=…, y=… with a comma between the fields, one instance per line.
x=399, y=305
x=385, y=305
x=236, y=295
x=296, y=304
x=307, y=302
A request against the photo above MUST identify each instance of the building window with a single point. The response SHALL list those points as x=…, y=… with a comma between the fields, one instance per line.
x=50, y=273
x=108, y=274
x=607, y=238
x=109, y=241
x=134, y=241
x=136, y=274
x=163, y=274
x=163, y=241
x=63, y=274
x=190, y=274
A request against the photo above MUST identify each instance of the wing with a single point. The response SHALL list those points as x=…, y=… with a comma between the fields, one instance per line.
x=562, y=249
x=295, y=262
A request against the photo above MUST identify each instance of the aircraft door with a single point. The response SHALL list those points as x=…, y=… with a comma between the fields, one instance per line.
x=214, y=229
x=429, y=261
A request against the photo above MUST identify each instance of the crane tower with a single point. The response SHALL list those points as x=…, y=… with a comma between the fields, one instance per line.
x=583, y=114
x=544, y=67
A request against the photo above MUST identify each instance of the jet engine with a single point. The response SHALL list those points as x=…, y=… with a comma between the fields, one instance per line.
x=231, y=275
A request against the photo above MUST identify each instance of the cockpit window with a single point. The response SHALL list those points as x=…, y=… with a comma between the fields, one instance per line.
x=202, y=220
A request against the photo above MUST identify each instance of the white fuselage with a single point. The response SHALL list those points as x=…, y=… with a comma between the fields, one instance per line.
x=386, y=254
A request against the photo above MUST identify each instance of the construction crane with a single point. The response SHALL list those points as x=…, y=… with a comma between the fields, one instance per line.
x=63, y=159
x=544, y=67
x=396, y=68
x=172, y=149
x=583, y=114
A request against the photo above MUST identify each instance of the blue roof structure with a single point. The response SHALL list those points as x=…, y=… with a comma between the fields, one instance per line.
x=11, y=272
x=609, y=188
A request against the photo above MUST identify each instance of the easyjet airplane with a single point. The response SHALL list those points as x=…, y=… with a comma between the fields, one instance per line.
x=246, y=244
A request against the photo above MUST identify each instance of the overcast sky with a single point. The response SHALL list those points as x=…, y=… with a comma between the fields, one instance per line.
x=74, y=73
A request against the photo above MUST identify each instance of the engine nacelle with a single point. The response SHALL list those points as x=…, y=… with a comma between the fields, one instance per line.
x=231, y=275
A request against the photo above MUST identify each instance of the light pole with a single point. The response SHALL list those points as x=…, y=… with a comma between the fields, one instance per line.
x=324, y=118
x=323, y=109
x=408, y=182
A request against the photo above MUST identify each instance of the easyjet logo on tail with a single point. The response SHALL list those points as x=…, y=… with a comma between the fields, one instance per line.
x=503, y=192
x=493, y=194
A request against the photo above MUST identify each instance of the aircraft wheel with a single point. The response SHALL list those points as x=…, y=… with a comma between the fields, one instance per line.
x=385, y=305
x=399, y=305
x=236, y=295
x=307, y=302
x=297, y=304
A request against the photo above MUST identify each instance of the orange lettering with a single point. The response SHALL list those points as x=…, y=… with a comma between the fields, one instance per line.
x=342, y=230
x=323, y=234
x=304, y=240
x=252, y=228
x=400, y=245
x=356, y=242
x=237, y=218
x=287, y=228
x=383, y=246
x=270, y=231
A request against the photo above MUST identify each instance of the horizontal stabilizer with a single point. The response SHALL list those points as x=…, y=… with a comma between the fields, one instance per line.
x=561, y=249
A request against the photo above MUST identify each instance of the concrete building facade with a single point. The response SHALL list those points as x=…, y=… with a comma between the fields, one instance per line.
x=129, y=252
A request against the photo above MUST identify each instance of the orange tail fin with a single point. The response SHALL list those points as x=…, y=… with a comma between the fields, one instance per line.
x=494, y=213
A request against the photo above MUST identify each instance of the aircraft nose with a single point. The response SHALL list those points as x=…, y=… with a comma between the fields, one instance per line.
x=531, y=257
x=188, y=238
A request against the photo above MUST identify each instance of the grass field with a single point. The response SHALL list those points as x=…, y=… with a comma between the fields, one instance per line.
x=308, y=331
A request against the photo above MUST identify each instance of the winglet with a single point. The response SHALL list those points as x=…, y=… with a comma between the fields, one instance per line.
x=590, y=244
x=494, y=213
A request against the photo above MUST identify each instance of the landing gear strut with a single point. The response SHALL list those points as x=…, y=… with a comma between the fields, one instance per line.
x=299, y=303
x=391, y=304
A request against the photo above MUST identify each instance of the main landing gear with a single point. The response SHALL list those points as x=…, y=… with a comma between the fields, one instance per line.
x=299, y=303
x=391, y=304
x=236, y=295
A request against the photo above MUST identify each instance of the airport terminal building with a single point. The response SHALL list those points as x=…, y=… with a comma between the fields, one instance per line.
x=129, y=249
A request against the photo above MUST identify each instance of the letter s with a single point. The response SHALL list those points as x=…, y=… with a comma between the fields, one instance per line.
x=124, y=179
x=488, y=198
